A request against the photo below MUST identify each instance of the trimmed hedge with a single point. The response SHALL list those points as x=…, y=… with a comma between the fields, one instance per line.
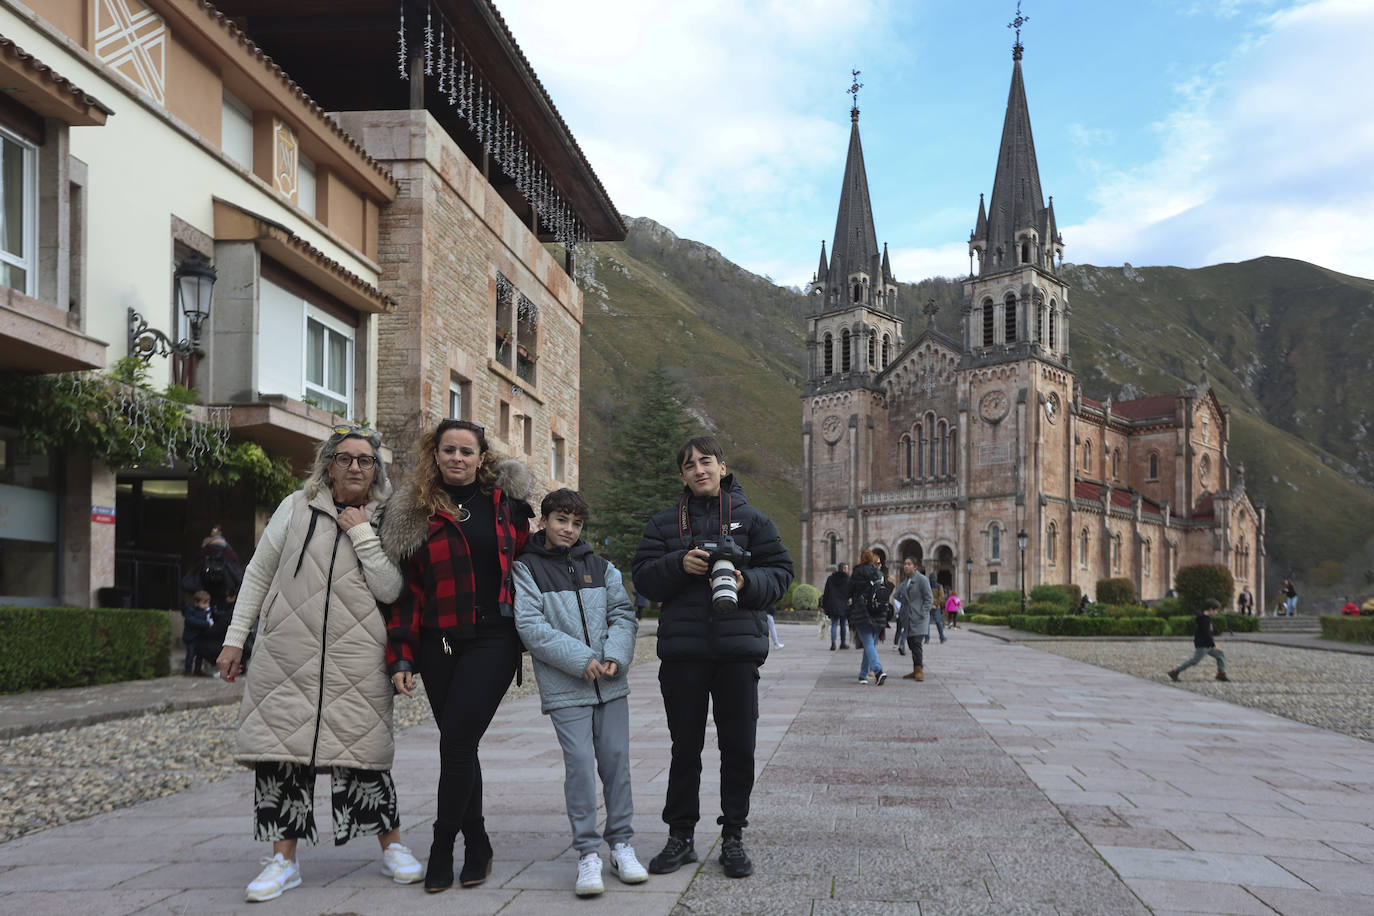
x=1006, y=597
x=44, y=647
x=1347, y=629
x=987, y=620
x=1123, y=610
x=1167, y=607
x=1195, y=584
x=1115, y=591
x=1066, y=596
x=1137, y=624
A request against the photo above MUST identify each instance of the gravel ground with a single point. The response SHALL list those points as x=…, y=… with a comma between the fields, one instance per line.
x=57, y=777
x=1333, y=690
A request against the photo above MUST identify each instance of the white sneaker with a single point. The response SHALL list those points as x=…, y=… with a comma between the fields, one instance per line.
x=626, y=866
x=777, y=645
x=279, y=875
x=589, y=876
x=400, y=865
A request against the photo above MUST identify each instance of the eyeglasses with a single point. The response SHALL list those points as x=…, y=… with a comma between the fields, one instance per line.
x=365, y=462
x=469, y=423
x=345, y=429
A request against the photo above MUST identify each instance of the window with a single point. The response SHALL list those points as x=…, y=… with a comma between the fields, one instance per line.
x=1204, y=469
x=1088, y=455
x=1051, y=542
x=953, y=453
x=1145, y=557
x=988, y=322
x=887, y=350
x=305, y=184
x=517, y=327
x=996, y=541
x=1154, y=466
x=1083, y=549
x=1025, y=252
x=844, y=351
x=459, y=399
x=1116, y=553
x=906, y=457
x=328, y=362
x=18, y=213
x=944, y=449
x=1053, y=317
x=1116, y=464
x=920, y=451
x=872, y=342
x=829, y=354
x=558, y=458
x=858, y=292
x=992, y=578
x=1038, y=323
x=834, y=548
x=1009, y=320
x=504, y=425
x=236, y=130
x=527, y=427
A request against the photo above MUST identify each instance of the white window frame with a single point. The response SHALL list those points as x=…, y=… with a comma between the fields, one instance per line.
x=458, y=388
x=307, y=183
x=231, y=103
x=329, y=322
x=28, y=262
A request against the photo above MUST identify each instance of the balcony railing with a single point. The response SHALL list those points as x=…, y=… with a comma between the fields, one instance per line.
x=919, y=492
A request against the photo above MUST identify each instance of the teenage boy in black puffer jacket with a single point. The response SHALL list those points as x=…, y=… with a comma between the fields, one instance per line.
x=708, y=655
x=1204, y=643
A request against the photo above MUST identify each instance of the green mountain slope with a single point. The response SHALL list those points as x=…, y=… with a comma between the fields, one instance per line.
x=1279, y=339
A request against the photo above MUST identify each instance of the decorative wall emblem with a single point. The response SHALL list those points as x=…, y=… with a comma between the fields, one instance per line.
x=832, y=427
x=132, y=40
x=1052, y=407
x=994, y=406
x=285, y=159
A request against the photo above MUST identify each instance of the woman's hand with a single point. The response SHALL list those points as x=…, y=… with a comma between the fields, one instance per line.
x=610, y=669
x=351, y=518
x=230, y=662
x=594, y=670
x=404, y=681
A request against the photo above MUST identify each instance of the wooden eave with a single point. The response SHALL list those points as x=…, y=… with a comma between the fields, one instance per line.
x=251, y=75
x=44, y=91
x=233, y=223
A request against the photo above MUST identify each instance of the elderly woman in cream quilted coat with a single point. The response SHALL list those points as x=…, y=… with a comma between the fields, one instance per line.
x=318, y=695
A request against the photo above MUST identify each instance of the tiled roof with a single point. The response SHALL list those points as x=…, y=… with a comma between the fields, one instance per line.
x=1160, y=405
x=1121, y=498
x=59, y=83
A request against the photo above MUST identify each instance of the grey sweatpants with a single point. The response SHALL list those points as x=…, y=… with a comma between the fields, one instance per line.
x=596, y=738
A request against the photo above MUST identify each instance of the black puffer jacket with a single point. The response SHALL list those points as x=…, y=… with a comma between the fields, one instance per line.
x=687, y=627
x=868, y=597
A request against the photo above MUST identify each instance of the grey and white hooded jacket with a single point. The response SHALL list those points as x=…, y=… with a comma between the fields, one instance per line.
x=571, y=607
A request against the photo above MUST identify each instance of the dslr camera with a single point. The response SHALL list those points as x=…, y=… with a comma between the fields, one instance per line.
x=724, y=556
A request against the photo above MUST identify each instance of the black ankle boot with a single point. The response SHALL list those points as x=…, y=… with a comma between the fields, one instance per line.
x=477, y=858
x=439, y=871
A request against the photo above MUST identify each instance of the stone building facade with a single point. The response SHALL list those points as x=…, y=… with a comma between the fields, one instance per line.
x=919, y=444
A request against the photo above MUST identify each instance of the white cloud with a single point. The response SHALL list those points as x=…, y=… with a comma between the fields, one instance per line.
x=911, y=265
x=1267, y=154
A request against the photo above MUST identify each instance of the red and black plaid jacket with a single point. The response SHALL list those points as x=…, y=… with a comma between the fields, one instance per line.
x=440, y=590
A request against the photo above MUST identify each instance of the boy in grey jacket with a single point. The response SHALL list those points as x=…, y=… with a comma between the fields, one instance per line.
x=576, y=619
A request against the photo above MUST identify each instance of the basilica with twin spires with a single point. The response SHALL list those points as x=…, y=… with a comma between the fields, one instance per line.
x=955, y=450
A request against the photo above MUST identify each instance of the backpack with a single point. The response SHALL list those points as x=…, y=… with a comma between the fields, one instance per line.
x=213, y=572
x=878, y=602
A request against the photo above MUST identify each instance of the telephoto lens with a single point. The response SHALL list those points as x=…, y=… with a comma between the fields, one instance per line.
x=724, y=594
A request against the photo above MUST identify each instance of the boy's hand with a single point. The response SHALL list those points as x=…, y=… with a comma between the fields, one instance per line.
x=610, y=669
x=696, y=562
x=594, y=670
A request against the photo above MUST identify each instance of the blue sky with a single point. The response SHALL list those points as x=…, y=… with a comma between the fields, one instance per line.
x=1182, y=132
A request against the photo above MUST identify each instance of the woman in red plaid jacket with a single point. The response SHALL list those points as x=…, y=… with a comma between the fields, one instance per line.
x=454, y=531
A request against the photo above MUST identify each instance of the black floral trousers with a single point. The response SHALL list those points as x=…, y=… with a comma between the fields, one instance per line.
x=363, y=802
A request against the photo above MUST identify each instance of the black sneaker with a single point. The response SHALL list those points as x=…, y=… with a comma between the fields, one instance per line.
x=677, y=852
x=1173, y=674
x=734, y=858
x=882, y=678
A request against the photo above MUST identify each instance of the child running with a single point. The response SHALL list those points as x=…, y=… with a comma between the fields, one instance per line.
x=1204, y=643
x=576, y=619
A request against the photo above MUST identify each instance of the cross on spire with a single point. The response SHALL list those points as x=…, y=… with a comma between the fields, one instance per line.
x=1016, y=24
x=930, y=309
x=854, y=91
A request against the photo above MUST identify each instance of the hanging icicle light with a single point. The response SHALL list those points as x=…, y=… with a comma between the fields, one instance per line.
x=401, y=58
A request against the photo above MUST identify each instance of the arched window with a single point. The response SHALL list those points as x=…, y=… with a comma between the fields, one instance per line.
x=1087, y=454
x=996, y=531
x=887, y=349
x=1116, y=464
x=944, y=449
x=1009, y=319
x=1083, y=549
x=829, y=354
x=1054, y=314
x=906, y=457
x=1025, y=252
x=989, y=322
x=1038, y=322
x=834, y=542
x=872, y=345
x=1051, y=542
x=1116, y=553
x=953, y=453
x=1154, y=466
x=844, y=350
x=1145, y=557
x=920, y=451
x=858, y=292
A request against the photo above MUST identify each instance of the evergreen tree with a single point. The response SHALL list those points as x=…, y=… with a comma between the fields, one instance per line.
x=644, y=474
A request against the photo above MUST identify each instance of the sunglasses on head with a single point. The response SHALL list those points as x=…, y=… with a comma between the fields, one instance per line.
x=346, y=429
x=468, y=423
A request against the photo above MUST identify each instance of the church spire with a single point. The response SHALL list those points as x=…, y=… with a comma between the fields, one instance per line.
x=854, y=253
x=1017, y=228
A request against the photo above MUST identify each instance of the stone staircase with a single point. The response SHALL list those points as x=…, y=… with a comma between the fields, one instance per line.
x=1297, y=624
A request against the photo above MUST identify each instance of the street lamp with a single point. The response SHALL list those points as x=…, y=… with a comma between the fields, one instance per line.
x=1021, y=545
x=193, y=285
x=968, y=568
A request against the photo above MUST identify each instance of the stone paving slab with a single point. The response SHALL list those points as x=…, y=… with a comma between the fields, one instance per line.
x=1011, y=781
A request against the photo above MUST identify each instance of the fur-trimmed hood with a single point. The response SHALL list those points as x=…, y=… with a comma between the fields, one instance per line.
x=405, y=523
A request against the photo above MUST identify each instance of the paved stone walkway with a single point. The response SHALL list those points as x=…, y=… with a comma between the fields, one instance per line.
x=1011, y=781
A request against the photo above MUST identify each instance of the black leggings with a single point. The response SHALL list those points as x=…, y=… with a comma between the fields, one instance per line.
x=464, y=689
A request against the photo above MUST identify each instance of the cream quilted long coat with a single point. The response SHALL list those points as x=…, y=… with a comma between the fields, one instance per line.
x=317, y=689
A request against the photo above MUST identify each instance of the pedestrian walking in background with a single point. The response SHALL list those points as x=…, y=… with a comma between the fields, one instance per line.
x=954, y=606
x=454, y=531
x=709, y=657
x=916, y=600
x=835, y=601
x=574, y=617
x=937, y=613
x=217, y=570
x=1290, y=594
x=773, y=629
x=318, y=695
x=868, y=613
x=1245, y=602
x=1204, y=642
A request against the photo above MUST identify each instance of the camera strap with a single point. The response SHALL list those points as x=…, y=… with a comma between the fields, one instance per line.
x=684, y=524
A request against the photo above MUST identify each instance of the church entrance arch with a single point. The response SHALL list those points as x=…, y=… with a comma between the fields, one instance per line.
x=910, y=548
x=942, y=572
